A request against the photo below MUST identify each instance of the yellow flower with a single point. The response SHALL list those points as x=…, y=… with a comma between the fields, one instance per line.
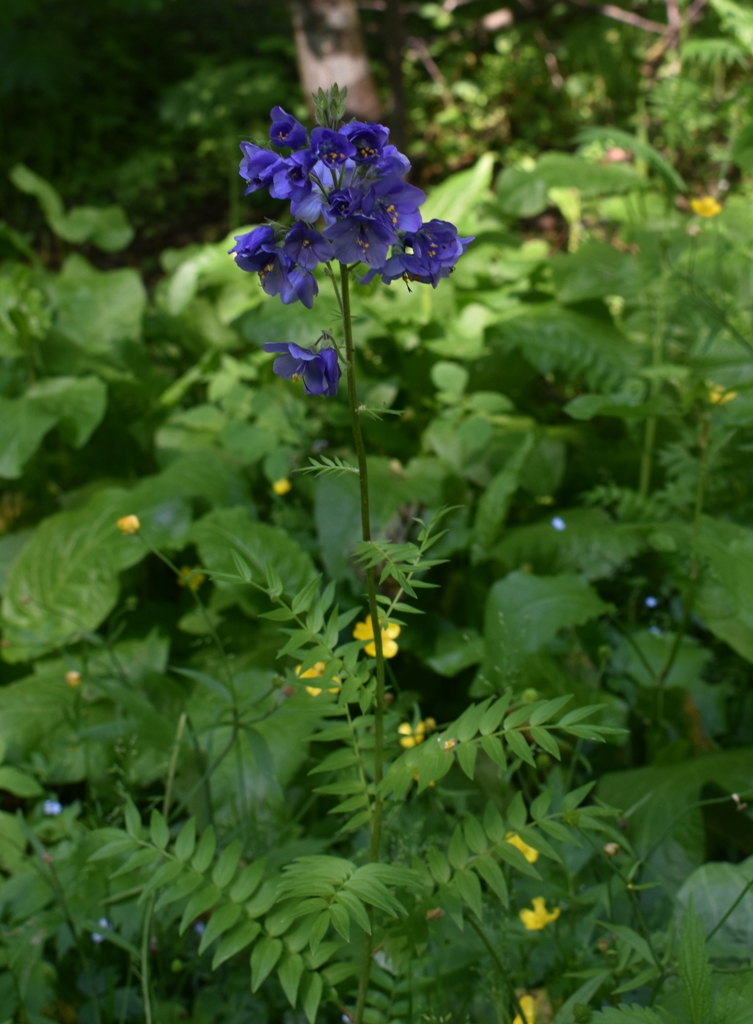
x=282, y=486
x=316, y=672
x=129, y=524
x=538, y=918
x=73, y=678
x=719, y=395
x=528, y=852
x=528, y=1006
x=191, y=578
x=410, y=737
x=365, y=631
x=707, y=206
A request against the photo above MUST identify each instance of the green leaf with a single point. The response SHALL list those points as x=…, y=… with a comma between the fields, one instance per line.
x=627, y=1015
x=438, y=865
x=77, y=403
x=133, y=820
x=264, y=957
x=467, y=758
x=525, y=612
x=474, y=834
x=220, y=533
x=235, y=941
x=186, y=841
x=491, y=873
x=469, y=887
x=457, y=850
x=248, y=881
x=205, y=850
x=596, y=269
x=199, y=904
x=19, y=783
x=694, y=968
x=65, y=581
x=23, y=424
x=519, y=746
x=226, y=865
x=517, y=814
x=289, y=972
x=632, y=939
x=711, y=890
x=98, y=310
x=158, y=830
x=311, y=995
x=221, y=921
x=457, y=196
x=495, y=501
x=185, y=885
x=106, y=227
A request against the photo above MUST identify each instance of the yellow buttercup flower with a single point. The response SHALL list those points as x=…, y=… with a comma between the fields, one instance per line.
x=365, y=631
x=528, y=852
x=129, y=524
x=191, y=578
x=719, y=395
x=528, y=1006
x=316, y=672
x=73, y=678
x=282, y=486
x=410, y=737
x=538, y=918
x=707, y=206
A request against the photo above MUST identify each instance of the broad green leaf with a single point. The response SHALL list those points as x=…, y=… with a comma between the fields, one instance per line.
x=222, y=920
x=694, y=968
x=495, y=501
x=264, y=957
x=97, y=310
x=19, y=783
x=236, y=941
x=289, y=972
x=311, y=994
x=711, y=890
x=77, y=403
x=455, y=198
x=219, y=533
x=23, y=424
x=596, y=269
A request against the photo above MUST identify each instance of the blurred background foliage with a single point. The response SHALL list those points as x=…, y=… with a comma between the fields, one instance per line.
x=581, y=390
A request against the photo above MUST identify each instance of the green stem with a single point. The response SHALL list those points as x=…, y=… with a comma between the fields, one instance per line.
x=730, y=910
x=363, y=479
x=500, y=966
x=145, y=961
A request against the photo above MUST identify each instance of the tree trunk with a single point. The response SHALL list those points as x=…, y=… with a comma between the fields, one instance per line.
x=394, y=40
x=330, y=49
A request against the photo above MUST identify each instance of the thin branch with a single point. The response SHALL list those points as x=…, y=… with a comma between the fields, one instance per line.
x=627, y=17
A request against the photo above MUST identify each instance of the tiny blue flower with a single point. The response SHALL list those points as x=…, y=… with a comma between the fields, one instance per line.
x=286, y=130
x=199, y=927
x=97, y=938
x=332, y=148
x=369, y=140
x=654, y=630
x=258, y=166
x=559, y=523
x=104, y=924
x=319, y=371
x=52, y=808
x=651, y=602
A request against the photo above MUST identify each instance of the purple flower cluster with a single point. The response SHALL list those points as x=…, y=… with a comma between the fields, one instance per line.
x=349, y=203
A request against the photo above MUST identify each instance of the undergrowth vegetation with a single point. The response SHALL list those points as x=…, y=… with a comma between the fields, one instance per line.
x=194, y=749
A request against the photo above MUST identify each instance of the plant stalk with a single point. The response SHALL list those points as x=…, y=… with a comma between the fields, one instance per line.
x=363, y=479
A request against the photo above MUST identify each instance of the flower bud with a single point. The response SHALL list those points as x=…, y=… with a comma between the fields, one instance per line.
x=129, y=524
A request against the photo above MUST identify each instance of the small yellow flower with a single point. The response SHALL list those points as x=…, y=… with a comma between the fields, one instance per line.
x=365, y=631
x=538, y=918
x=282, y=486
x=316, y=672
x=718, y=394
x=191, y=578
x=410, y=737
x=528, y=1006
x=73, y=678
x=450, y=744
x=129, y=524
x=707, y=206
x=528, y=852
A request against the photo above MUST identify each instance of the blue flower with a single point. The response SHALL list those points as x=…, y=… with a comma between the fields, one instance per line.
x=306, y=247
x=252, y=250
x=651, y=602
x=52, y=808
x=392, y=161
x=286, y=131
x=559, y=524
x=291, y=178
x=358, y=239
x=298, y=286
x=258, y=166
x=332, y=148
x=395, y=203
x=436, y=249
x=369, y=140
x=319, y=371
x=342, y=202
